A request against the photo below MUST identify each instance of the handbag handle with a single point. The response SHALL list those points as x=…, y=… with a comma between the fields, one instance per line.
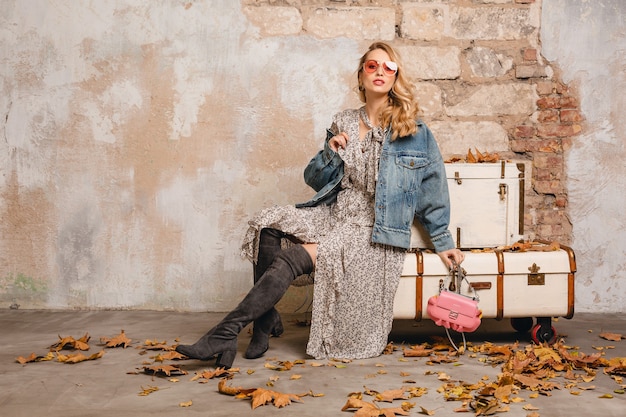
x=456, y=276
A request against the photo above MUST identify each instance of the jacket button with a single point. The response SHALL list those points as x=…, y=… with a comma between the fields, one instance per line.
x=412, y=163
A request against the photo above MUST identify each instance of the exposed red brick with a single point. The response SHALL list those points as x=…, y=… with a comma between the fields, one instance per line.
x=550, y=115
x=561, y=201
x=550, y=145
x=551, y=102
x=548, y=187
x=571, y=116
x=555, y=130
x=529, y=54
x=545, y=87
x=569, y=102
x=524, y=131
x=543, y=174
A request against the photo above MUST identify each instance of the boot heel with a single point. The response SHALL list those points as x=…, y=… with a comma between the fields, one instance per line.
x=225, y=359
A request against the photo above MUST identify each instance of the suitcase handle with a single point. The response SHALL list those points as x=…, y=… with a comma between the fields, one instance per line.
x=485, y=285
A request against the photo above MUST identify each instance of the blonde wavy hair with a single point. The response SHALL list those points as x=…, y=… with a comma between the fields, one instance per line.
x=402, y=109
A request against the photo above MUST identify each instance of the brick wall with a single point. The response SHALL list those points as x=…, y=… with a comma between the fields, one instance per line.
x=482, y=81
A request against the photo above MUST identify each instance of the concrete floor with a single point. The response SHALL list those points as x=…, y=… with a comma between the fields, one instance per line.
x=110, y=385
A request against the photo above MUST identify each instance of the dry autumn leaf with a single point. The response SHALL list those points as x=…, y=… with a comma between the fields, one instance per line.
x=614, y=337
x=147, y=391
x=171, y=355
x=426, y=412
x=34, y=358
x=117, y=341
x=69, y=342
x=420, y=351
x=365, y=409
x=167, y=370
x=216, y=373
x=78, y=357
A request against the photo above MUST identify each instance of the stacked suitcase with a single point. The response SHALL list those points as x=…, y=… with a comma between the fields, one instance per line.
x=528, y=283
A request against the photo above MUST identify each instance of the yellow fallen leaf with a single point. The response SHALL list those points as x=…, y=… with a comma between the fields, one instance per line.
x=186, y=404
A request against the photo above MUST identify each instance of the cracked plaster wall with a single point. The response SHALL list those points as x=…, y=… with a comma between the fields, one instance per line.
x=138, y=138
x=588, y=40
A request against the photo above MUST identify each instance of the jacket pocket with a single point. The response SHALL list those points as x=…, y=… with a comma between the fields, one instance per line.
x=411, y=170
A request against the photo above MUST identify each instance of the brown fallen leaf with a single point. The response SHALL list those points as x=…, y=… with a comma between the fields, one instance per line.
x=78, y=357
x=282, y=366
x=34, y=358
x=426, y=412
x=116, y=341
x=390, y=395
x=365, y=409
x=186, y=404
x=419, y=351
x=147, y=391
x=167, y=370
x=215, y=373
x=171, y=355
x=262, y=396
x=614, y=337
x=69, y=342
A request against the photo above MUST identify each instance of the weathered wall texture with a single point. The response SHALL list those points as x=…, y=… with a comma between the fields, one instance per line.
x=588, y=40
x=138, y=137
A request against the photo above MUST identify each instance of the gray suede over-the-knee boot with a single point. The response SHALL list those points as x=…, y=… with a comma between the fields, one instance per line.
x=222, y=341
x=270, y=322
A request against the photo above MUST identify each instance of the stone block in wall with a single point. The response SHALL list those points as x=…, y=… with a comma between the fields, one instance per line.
x=275, y=20
x=422, y=22
x=487, y=63
x=486, y=23
x=530, y=71
x=429, y=99
x=431, y=62
x=492, y=100
x=456, y=137
x=375, y=23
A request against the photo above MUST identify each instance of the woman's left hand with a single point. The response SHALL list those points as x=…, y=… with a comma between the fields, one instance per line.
x=450, y=255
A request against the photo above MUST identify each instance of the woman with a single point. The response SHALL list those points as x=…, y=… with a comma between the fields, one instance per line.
x=379, y=169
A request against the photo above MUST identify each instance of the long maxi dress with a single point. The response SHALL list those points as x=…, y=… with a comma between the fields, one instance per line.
x=355, y=280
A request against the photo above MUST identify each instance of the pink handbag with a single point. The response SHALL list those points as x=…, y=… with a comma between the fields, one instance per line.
x=453, y=310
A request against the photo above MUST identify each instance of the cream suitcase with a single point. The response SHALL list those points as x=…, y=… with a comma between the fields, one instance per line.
x=487, y=213
x=487, y=203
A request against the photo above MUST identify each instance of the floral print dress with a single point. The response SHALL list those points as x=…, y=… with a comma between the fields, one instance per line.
x=355, y=280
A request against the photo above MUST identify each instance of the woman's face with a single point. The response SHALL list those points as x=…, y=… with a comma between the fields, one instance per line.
x=378, y=73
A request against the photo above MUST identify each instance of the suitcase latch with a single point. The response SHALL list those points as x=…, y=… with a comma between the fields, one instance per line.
x=536, y=278
x=502, y=192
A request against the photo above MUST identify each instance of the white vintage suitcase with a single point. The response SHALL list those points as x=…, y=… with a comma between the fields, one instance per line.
x=487, y=203
x=487, y=217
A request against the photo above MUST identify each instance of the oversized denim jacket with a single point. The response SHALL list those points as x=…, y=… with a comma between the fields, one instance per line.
x=411, y=185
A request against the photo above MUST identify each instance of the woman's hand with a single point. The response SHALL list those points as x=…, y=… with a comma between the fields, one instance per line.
x=450, y=255
x=338, y=141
